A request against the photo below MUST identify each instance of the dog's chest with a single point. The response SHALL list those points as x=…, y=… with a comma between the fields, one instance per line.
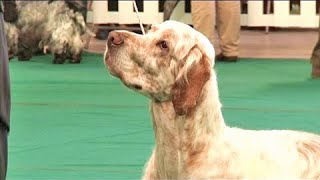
x=167, y=141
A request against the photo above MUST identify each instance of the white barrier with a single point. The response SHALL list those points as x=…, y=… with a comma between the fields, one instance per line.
x=255, y=17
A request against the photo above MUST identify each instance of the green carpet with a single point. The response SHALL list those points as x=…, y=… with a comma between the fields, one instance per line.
x=77, y=122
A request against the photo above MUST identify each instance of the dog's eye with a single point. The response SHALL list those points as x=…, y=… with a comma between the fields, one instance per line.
x=163, y=45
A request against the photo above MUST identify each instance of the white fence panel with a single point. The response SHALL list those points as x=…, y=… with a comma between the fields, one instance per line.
x=126, y=13
x=281, y=14
x=255, y=17
x=308, y=16
x=151, y=13
x=259, y=19
x=101, y=15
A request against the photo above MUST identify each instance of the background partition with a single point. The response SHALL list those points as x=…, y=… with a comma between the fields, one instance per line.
x=293, y=13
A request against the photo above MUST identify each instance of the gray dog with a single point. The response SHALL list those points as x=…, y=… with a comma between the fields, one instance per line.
x=44, y=26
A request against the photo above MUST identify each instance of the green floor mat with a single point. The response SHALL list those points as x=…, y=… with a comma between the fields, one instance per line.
x=74, y=121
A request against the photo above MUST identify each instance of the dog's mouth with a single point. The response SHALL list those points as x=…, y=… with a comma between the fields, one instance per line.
x=133, y=86
x=110, y=65
x=116, y=71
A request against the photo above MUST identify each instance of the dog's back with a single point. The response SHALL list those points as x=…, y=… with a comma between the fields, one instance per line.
x=276, y=153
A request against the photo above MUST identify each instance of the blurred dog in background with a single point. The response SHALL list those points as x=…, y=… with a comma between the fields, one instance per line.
x=12, y=38
x=48, y=26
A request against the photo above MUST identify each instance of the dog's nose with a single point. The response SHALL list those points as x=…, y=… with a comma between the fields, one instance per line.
x=115, y=38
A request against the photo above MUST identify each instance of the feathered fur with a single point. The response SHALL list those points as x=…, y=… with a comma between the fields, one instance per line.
x=192, y=140
x=12, y=38
x=52, y=27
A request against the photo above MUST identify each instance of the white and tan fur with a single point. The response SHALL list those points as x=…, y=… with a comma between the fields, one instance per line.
x=192, y=140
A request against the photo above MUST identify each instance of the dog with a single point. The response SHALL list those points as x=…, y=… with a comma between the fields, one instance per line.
x=173, y=66
x=12, y=34
x=50, y=27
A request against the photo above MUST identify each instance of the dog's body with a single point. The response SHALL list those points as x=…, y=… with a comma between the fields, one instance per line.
x=12, y=35
x=173, y=67
x=51, y=27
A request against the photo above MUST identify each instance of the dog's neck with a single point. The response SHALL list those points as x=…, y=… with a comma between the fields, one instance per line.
x=180, y=139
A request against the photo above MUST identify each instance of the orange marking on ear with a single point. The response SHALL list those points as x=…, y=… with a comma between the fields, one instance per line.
x=186, y=94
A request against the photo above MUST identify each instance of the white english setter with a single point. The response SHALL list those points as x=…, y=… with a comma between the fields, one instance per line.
x=173, y=65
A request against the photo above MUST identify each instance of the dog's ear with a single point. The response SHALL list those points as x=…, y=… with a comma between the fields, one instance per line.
x=183, y=48
x=194, y=72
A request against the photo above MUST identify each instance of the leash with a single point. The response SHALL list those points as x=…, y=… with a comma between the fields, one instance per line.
x=137, y=13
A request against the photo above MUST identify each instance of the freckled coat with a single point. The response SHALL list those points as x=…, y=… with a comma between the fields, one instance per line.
x=173, y=66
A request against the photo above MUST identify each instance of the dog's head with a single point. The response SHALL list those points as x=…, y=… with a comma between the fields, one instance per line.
x=172, y=62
